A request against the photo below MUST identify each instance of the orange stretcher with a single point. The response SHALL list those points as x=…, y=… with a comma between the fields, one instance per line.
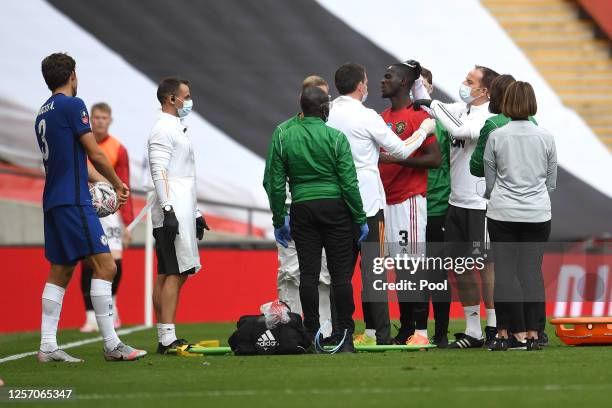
x=584, y=331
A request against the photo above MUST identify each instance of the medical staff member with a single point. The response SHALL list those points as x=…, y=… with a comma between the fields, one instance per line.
x=177, y=222
x=326, y=209
x=367, y=132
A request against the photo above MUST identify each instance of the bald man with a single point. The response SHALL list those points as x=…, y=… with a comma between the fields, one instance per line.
x=325, y=214
x=288, y=278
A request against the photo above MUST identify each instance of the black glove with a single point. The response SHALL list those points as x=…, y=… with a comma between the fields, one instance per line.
x=171, y=226
x=200, y=227
x=417, y=67
x=421, y=102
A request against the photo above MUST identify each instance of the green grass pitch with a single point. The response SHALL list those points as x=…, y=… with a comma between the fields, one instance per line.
x=559, y=375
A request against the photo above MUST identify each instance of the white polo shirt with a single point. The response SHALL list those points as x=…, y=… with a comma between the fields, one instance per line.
x=367, y=132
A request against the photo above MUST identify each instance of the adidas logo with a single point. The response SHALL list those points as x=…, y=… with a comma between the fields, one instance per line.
x=267, y=340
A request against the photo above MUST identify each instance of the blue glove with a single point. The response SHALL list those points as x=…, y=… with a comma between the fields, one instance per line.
x=283, y=234
x=363, y=232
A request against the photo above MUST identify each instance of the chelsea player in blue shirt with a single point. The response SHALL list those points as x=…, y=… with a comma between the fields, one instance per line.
x=72, y=227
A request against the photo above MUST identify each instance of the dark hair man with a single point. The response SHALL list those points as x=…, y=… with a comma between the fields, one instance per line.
x=324, y=214
x=367, y=132
x=177, y=221
x=72, y=227
x=465, y=225
x=438, y=190
x=405, y=183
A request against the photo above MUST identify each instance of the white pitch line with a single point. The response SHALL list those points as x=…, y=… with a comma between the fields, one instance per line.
x=348, y=391
x=73, y=344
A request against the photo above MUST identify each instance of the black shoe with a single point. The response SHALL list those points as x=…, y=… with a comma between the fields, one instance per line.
x=542, y=339
x=347, y=347
x=533, y=345
x=402, y=335
x=439, y=341
x=491, y=334
x=514, y=344
x=161, y=349
x=499, y=344
x=329, y=341
x=463, y=340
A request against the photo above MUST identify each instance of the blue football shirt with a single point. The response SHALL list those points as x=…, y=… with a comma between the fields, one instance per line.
x=60, y=123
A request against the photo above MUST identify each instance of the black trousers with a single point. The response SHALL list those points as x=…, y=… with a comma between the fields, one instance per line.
x=318, y=224
x=519, y=286
x=87, y=274
x=375, y=304
x=441, y=299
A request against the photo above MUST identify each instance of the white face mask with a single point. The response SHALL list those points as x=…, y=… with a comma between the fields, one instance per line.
x=465, y=93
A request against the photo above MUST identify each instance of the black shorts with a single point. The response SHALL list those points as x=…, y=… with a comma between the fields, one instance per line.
x=465, y=233
x=167, y=262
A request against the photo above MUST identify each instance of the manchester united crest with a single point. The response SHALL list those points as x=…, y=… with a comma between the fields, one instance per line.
x=400, y=127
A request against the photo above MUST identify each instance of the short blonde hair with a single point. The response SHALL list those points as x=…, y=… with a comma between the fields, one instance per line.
x=519, y=101
x=314, y=80
x=102, y=106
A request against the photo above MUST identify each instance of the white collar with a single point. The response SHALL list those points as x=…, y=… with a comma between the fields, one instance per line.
x=346, y=98
x=484, y=106
x=172, y=117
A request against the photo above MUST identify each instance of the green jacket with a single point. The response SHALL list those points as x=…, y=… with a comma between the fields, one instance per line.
x=283, y=127
x=317, y=162
x=494, y=122
x=438, y=180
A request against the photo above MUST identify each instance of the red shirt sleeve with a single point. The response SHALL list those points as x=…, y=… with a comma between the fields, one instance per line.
x=122, y=168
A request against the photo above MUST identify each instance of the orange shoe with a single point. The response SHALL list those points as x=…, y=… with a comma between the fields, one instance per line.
x=417, y=340
x=364, y=340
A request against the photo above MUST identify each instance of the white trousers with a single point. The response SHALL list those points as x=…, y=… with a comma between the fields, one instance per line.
x=288, y=284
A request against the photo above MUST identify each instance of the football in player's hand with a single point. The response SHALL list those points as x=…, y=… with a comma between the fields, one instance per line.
x=103, y=198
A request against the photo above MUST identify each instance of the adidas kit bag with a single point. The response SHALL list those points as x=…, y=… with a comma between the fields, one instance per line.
x=253, y=337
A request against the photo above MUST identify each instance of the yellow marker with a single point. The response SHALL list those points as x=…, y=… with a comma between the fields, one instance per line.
x=208, y=343
x=183, y=352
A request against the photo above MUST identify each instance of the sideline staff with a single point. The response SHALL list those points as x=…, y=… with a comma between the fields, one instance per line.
x=326, y=205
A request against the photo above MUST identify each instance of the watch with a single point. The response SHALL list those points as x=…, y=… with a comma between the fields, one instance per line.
x=168, y=208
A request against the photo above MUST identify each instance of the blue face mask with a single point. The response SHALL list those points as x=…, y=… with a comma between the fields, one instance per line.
x=186, y=109
x=465, y=93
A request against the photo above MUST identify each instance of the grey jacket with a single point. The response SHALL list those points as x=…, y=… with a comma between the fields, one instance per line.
x=520, y=164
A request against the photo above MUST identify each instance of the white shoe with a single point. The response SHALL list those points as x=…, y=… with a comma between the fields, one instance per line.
x=123, y=352
x=89, y=327
x=57, y=356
